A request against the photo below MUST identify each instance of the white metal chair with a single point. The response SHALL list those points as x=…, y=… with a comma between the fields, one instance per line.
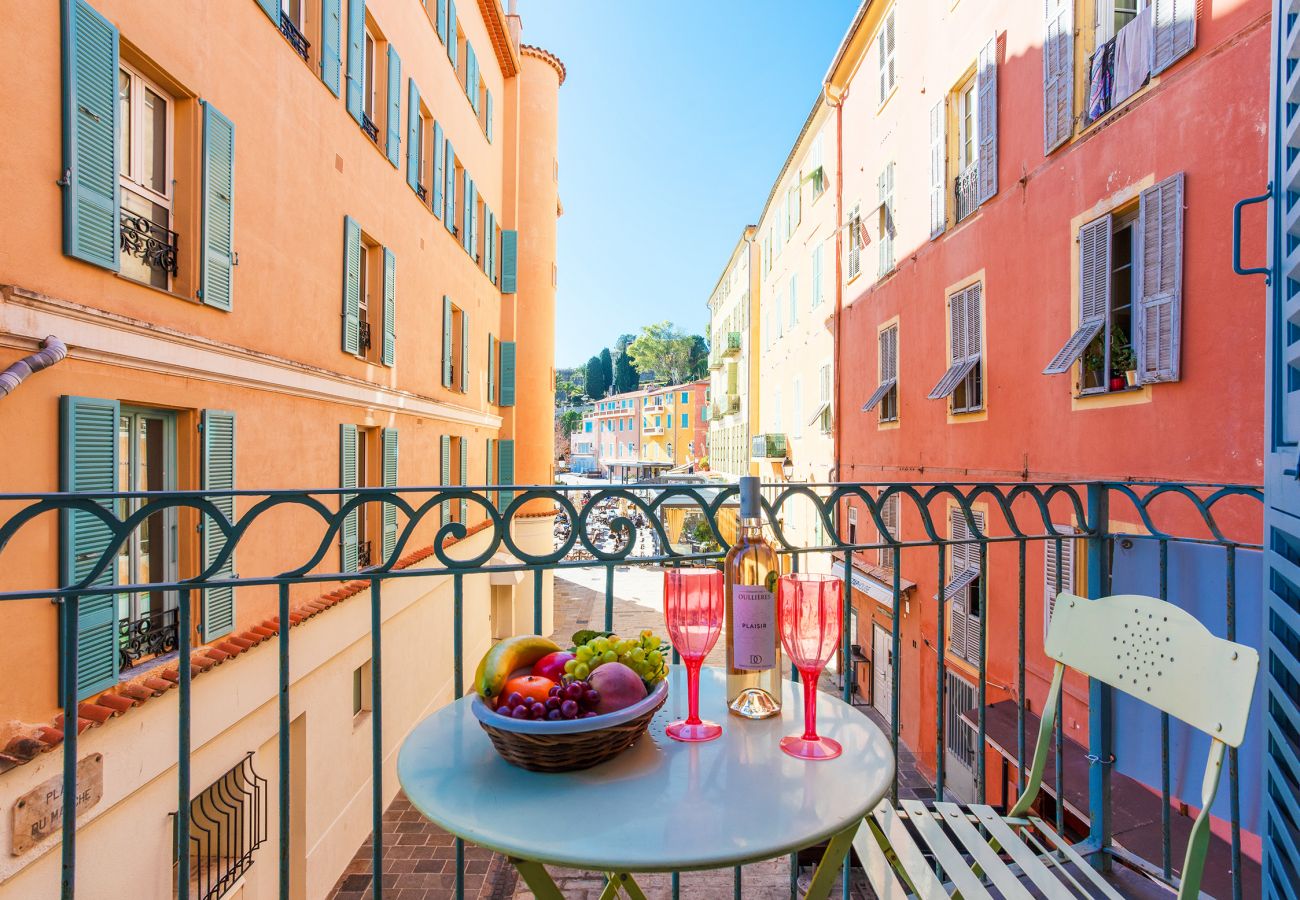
x=1143, y=646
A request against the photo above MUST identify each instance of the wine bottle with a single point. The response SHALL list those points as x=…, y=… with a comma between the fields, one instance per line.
x=753, y=646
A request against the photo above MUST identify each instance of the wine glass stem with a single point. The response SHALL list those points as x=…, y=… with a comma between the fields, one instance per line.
x=809, y=678
x=693, y=690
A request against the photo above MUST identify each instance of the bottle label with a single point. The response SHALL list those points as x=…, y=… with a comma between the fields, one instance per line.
x=753, y=617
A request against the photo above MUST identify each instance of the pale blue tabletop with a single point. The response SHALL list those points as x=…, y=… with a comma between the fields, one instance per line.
x=662, y=805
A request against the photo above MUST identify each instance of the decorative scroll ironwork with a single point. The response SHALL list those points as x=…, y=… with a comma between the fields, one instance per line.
x=146, y=240
x=293, y=35
x=152, y=634
x=228, y=822
x=966, y=190
x=422, y=192
x=363, y=335
x=369, y=127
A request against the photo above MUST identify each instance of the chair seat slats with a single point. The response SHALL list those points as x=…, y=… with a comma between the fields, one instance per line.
x=1023, y=856
x=893, y=833
x=1073, y=856
x=949, y=858
x=980, y=851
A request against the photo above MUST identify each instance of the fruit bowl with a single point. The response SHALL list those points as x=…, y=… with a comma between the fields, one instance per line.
x=568, y=745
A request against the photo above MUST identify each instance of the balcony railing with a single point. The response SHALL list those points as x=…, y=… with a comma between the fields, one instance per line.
x=291, y=34
x=370, y=128
x=1191, y=544
x=144, y=239
x=732, y=349
x=152, y=634
x=768, y=446
x=422, y=192
x=966, y=190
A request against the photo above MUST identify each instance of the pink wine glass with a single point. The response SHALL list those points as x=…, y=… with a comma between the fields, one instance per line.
x=809, y=610
x=693, y=608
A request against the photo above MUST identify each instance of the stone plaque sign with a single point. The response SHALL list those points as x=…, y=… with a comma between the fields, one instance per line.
x=39, y=813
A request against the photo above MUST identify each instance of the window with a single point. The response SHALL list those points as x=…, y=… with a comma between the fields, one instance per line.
x=886, y=393
x=855, y=243
x=1057, y=570
x=887, y=557
x=886, y=227
x=960, y=737
x=794, y=300
x=825, y=415
x=370, y=84
x=793, y=211
x=361, y=689
x=371, y=307
x=966, y=189
x=1113, y=15
x=962, y=592
x=686, y=420
x=145, y=113
x=886, y=45
x=796, y=411
x=424, y=137
x=228, y=822
x=293, y=25
x=817, y=275
x=814, y=170
x=458, y=215
x=686, y=397
x=963, y=381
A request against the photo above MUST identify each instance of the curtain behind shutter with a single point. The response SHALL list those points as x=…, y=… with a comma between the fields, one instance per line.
x=449, y=187
x=394, y=144
x=1094, y=293
x=1158, y=333
x=451, y=35
x=1058, y=73
x=91, y=191
x=1173, y=32
x=505, y=470
x=390, y=308
x=464, y=479
x=218, y=475
x=413, y=173
x=351, y=286
x=509, y=261
x=446, y=341
x=938, y=170
x=88, y=447
x=507, y=387
x=388, y=438
x=331, y=32
x=215, y=285
x=491, y=369
x=356, y=57
x=444, y=474
x=348, y=479
x=464, y=350
x=986, y=79
x=438, y=174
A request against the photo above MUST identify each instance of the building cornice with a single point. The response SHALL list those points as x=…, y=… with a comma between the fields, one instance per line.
x=499, y=33
x=545, y=56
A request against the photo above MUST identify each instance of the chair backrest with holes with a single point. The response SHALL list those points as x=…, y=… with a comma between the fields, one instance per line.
x=1160, y=654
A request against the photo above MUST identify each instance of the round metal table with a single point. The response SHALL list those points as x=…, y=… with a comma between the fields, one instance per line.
x=662, y=805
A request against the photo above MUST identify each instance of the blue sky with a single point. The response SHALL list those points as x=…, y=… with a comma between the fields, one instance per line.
x=674, y=122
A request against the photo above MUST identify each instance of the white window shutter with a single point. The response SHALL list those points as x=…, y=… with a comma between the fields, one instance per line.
x=938, y=173
x=1158, y=332
x=987, y=91
x=1049, y=572
x=1058, y=73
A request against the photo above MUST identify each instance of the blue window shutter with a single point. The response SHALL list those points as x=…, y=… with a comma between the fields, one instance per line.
x=351, y=285
x=471, y=209
x=467, y=214
x=446, y=341
x=464, y=350
x=389, y=439
x=507, y=352
x=449, y=188
x=218, y=475
x=471, y=77
x=487, y=103
x=394, y=145
x=491, y=457
x=464, y=479
x=444, y=475
x=91, y=192
x=489, y=246
x=438, y=176
x=451, y=34
x=356, y=57
x=331, y=32
x=216, y=286
x=348, y=479
x=272, y=10
x=505, y=469
x=89, y=463
x=441, y=20
x=491, y=369
x=390, y=308
x=413, y=173
x=509, y=261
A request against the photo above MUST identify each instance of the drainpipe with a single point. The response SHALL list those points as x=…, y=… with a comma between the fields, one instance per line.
x=52, y=351
x=835, y=99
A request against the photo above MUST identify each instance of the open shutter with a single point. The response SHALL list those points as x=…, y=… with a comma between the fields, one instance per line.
x=1049, y=572
x=505, y=470
x=449, y=188
x=91, y=192
x=471, y=77
x=888, y=369
x=491, y=458
x=1094, y=293
x=1058, y=73
x=958, y=367
x=1158, y=333
x=509, y=261
x=491, y=369
x=216, y=283
x=351, y=286
x=487, y=125
x=1173, y=32
x=356, y=57
x=348, y=479
x=272, y=10
x=464, y=350
x=394, y=117
x=444, y=474
x=986, y=82
x=451, y=35
x=938, y=170
x=390, y=308
x=89, y=463
x=438, y=176
x=467, y=212
x=507, y=351
x=413, y=173
x=331, y=33
x=446, y=341
x=489, y=222
x=441, y=20
x=464, y=479
x=388, y=438
x=218, y=475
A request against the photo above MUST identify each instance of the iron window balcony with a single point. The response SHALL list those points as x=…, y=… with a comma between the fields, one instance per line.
x=295, y=37
x=966, y=190
x=370, y=128
x=152, y=634
x=144, y=239
x=733, y=345
x=768, y=446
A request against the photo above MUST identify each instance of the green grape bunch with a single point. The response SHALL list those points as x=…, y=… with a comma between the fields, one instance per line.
x=646, y=655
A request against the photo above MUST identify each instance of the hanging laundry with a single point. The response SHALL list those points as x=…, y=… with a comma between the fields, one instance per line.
x=1102, y=80
x=1132, y=56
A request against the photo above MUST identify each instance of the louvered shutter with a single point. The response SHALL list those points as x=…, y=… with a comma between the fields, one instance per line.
x=451, y=35
x=89, y=464
x=413, y=173
x=1094, y=293
x=1050, y=589
x=441, y=22
x=974, y=325
x=885, y=250
x=888, y=556
x=390, y=308
x=216, y=283
x=348, y=479
x=394, y=143
x=464, y=479
x=272, y=10
x=986, y=85
x=507, y=387
x=491, y=369
x=888, y=368
x=464, y=350
x=388, y=438
x=1058, y=73
x=446, y=341
x=938, y=170
x=491, y=458
x=1173, y=32
x=438, y=174
x=356, y=57
x=496, y=254
x=509, y=261
x=487, y=125
x=351, y=286
x=331, y=33
x=489, y=222
x=449, y=187
x=957, y=326
x=91, y=161
x=467, y=212
x=471, y=77
x=505, y=470
x=444, y=474
x=1158, y=333
x=218, y=475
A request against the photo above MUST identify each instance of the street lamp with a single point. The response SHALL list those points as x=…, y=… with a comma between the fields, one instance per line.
x=787, y=468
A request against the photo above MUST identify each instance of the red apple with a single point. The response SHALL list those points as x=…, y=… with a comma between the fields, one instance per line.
x=552, y=665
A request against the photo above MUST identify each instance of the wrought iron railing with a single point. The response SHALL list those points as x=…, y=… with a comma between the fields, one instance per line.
x=364, y=339
x=369, y=127
x=151, y=634
x=966, y=190
x=144, y=239
x=228, y=822
x=733, y=344
x=291, y=34
x=1002, y=520
x=422, y=192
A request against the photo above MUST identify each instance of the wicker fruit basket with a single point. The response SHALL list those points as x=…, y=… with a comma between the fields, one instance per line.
x=570, y=745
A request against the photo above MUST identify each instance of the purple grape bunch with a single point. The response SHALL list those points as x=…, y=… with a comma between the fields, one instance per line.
x=575, y=700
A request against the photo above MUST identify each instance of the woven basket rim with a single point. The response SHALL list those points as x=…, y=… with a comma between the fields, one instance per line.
x=543, y=727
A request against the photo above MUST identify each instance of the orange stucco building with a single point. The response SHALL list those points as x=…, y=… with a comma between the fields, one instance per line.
x=286, y=245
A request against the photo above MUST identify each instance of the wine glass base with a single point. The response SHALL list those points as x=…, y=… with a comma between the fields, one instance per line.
x=821, y=748
x=693, y=733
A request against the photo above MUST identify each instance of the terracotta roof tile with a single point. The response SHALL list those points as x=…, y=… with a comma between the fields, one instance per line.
x=96, y=713
x=23, y=748
x=51, y=736
x=137, y=692
x=217, y=653
x=159, y=686
x=118, y=703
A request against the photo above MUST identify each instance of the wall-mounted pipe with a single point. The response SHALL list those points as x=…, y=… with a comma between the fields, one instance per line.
x=52, y=350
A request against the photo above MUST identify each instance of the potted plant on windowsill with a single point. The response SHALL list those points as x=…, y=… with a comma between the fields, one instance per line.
x=1122, y=359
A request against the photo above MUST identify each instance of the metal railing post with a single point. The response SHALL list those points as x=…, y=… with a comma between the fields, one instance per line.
x=1100, y=744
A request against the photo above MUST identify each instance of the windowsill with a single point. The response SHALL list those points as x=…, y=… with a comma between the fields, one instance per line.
x=1094, y=394
x=890, y=96
x=888, y=425
x=164, y=291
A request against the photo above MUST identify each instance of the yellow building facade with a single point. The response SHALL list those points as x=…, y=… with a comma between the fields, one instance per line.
x=674, y=426
x=733, y=360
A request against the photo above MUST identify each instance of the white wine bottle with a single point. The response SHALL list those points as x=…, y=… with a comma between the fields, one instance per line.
x=753, y=645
